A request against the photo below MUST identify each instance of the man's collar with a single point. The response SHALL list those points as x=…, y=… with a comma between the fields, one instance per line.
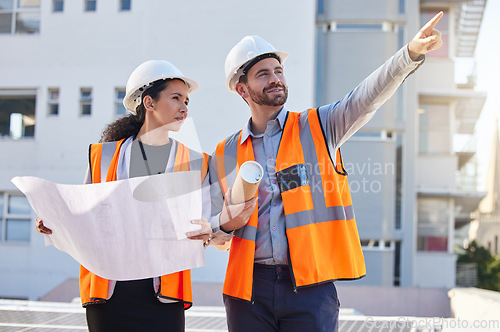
x=247, y=131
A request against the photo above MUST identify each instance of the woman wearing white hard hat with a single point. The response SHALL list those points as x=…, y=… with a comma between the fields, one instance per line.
x=139, y=145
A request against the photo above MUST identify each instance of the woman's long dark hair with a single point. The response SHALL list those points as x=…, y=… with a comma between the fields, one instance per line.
x=130, y=124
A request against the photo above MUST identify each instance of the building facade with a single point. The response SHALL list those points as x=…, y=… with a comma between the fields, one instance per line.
x=485, y=228
x=64, y=68
x=403, y=163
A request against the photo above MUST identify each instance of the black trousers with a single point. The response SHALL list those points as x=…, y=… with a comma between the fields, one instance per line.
x=276, y=307
x=133, y=308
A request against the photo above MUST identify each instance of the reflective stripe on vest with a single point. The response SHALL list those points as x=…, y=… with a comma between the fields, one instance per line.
x=321, y=231
x=175, y=286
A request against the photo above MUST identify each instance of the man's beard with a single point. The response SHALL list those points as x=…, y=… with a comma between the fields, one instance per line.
x=261, y=98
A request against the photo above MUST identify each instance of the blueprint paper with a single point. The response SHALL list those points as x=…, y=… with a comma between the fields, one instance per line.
x=123, y=230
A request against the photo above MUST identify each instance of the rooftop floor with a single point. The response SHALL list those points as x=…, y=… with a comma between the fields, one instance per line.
x=17, y=315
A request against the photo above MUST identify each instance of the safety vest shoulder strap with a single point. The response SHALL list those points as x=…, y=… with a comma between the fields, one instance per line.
x=94, y=289
x=186, y=159
x=226, y=159
x=101, y=157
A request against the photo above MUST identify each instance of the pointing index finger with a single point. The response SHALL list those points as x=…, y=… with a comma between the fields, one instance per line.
x=433, y=21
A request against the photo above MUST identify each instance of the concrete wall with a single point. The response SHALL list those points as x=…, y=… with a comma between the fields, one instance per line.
x=362, y=10
x=436, y=172
x=379, y=268
x=394, y=301
x=438, y=74
x=433, y=269
x=475, y=304
x=371, y=168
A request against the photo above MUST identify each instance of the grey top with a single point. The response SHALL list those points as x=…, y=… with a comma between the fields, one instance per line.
x=156, y=159
x=341, y=119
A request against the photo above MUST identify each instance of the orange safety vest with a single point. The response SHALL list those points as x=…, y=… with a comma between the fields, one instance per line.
x=175, y=286
x=322, y=236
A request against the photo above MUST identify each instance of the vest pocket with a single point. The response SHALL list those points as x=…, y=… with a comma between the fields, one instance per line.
x=292, y=177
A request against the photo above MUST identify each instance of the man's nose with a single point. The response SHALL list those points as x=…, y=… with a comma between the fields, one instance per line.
x=273, y=78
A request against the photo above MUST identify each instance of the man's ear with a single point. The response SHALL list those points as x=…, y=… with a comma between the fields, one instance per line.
x=242, y=90
x=148, y=103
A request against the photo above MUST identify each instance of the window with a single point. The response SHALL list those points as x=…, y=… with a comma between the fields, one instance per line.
x=17, y=113
x=397, y=263
x=58, y=6
x=19, y=16
x=443, y=26
x=376, y=244
x=86, y=101
x=320, y=63
x=119, y=108
x=90, y=5
x=15, y=218
x=125, y=5
x=53, y=102
x=434, y=129
x=356, y=26
x=368, y=134
x=402, y=6
x=432, y=224
x=320, y=7
x=399, y=180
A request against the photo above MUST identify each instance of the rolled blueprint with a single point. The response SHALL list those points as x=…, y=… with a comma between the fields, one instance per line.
x=247, y=181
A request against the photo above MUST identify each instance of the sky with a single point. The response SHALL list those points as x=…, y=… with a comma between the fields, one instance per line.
x=487, y=63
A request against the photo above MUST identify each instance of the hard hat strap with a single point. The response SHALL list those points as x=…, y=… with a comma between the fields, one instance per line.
x=258, y=58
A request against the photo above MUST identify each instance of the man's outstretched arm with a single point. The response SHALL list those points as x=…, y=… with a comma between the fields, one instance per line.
x=347, y=116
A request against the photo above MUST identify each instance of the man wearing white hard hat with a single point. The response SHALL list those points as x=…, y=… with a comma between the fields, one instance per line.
x=138, y=144
x=302, y=236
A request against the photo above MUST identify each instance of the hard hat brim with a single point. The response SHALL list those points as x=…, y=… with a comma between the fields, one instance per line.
x=130, y=101
x=238, y=70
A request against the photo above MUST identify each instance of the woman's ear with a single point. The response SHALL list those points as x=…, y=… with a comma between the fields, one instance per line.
x=148, y=103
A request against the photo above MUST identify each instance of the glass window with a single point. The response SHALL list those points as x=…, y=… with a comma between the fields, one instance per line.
x=119, y=108
x=5, y=22
x=368, y=134
x=53, y=102
x=18, y=205
x=354, y=26
x=434, y=129
x=17, y=114
x=58, y=6
x=320, y=7
x=443, y=26
x=6, y=4
x=28, y=3
x=15, y=218
x=90, y=5
x=401, y=36
x=86, y=101
x=2, y=205
x=433, y=218
x=28, y=23
x=399, y=180
x=18, y=230
x=402, y=6
x=19, y=16
x=125, y=5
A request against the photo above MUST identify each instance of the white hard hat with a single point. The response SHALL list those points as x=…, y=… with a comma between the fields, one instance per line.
x=147, y=73
x=248, y=49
